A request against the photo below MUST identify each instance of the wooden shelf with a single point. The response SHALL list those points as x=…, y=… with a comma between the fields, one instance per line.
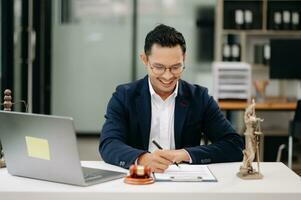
x=273, y=132
x=277, y=106
x=262, y=32
x=262, y=28
x=260, y=66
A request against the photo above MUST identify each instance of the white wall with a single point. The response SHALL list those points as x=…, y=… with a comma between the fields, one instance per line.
x=90, y=57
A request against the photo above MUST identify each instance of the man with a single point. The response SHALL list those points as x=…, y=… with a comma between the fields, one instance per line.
x=164, y=108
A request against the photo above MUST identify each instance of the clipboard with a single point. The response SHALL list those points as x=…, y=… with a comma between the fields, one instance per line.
x=186, y=173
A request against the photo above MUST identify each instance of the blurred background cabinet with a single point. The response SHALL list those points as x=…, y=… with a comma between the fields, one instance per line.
x=246, y=28
x=246, y=31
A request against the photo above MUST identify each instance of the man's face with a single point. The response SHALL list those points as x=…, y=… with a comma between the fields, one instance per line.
x=160, y=58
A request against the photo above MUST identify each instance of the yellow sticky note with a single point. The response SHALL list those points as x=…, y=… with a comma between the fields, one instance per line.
x=37, y=147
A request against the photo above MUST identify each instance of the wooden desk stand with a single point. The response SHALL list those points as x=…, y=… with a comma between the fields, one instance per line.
x=7, y=107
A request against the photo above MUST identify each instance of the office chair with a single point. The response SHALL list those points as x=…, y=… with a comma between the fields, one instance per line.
x=294, y=132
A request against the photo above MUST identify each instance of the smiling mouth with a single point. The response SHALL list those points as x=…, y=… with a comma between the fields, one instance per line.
x=166, y=83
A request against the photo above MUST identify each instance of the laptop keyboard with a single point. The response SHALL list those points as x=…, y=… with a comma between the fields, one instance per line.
x=93, y=175
x=90, y=173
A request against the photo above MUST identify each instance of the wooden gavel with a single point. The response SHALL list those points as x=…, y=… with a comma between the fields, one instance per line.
x=139, y=171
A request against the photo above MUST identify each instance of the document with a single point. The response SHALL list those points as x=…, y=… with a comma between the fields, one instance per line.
x=186, y=173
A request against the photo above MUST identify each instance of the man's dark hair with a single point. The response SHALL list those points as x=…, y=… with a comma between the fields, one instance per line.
x=165, y=36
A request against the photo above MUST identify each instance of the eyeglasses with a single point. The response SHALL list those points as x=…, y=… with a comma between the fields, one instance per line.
x=159, y=69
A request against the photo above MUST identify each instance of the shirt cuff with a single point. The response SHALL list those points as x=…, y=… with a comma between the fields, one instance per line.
x=190, y=160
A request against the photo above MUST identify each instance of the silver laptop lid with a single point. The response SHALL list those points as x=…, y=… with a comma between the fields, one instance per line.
x=41, y=147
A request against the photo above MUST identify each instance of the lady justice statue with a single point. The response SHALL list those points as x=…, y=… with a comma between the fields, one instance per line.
x=252, y=140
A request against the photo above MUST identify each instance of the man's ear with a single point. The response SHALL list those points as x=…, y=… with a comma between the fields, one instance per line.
x=143, y=58
x=184, y=57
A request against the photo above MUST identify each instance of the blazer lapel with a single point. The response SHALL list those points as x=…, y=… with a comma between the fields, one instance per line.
x=143, y=106
x=181, y=108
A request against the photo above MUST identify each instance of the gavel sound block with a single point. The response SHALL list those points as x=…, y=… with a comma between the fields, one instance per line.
x=139, y=175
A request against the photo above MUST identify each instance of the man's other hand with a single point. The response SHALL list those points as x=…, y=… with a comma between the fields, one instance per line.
x=155, y=161
x=160, y=160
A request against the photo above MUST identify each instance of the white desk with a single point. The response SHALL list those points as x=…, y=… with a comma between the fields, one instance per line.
x=279, y=183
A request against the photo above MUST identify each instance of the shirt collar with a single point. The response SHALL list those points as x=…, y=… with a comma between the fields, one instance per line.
x=152, y=91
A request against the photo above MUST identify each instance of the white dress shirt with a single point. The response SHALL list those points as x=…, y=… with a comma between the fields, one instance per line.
x=162, y=121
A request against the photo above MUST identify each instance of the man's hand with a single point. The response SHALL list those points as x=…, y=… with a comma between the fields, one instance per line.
x=159, y=160
x=155, y=161
x=176, y=156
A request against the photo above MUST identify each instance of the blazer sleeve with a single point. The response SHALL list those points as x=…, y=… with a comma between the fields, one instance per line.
x=112, y=146
x=226, y=144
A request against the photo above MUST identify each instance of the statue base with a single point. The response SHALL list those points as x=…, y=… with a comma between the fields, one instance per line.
x=2, y=163
x=250, y=176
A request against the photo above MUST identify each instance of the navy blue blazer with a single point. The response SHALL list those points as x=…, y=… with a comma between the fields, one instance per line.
x=125, y=133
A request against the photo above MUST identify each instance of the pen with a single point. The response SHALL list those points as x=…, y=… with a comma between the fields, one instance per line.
x=159, y=147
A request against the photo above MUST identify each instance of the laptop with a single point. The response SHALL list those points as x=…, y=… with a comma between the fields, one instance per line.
x=45, y=147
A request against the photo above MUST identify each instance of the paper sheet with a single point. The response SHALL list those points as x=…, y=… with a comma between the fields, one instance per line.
x=186, y=173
